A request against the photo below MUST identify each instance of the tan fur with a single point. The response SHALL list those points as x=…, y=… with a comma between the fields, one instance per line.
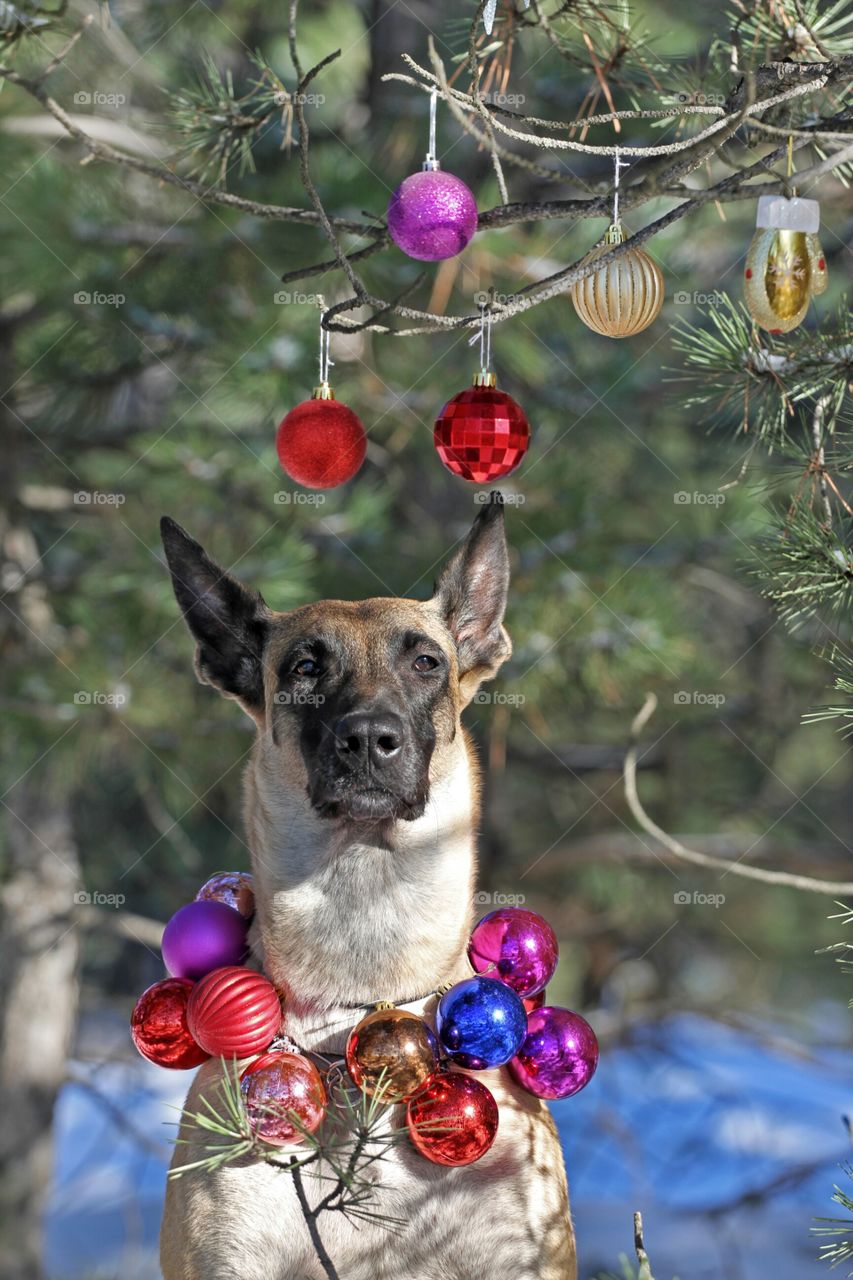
x=347, y=916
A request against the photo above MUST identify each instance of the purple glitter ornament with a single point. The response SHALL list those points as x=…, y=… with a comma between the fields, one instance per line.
x=558, y=1056
x=432, y=215
x=203, y=936
x=515, y=946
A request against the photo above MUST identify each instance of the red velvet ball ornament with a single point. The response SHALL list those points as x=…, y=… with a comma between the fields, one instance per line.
x=234, y=1012
x=481, y=434
x=159, y=1028
x=453, y=1120
x=321, y=443
x=284, y=1096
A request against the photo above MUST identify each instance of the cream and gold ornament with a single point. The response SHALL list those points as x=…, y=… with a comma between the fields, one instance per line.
x=785, y=266
x=625, y=296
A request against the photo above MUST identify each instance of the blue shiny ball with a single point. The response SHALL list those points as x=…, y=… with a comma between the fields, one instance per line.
x=481, y=1023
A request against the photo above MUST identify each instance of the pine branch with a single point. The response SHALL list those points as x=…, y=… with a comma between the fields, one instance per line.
x=807, y=570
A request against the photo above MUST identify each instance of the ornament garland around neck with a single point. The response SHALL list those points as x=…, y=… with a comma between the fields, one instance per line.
x=212, y=1005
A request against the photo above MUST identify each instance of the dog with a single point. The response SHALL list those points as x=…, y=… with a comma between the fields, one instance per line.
x=361, y=807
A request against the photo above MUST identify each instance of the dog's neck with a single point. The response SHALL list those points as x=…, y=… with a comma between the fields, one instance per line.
x=351, y=915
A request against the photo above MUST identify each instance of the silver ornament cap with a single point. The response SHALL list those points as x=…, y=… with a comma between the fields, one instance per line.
x=777, y=213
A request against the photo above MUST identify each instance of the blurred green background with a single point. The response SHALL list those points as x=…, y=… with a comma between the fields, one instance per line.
x=149, y=350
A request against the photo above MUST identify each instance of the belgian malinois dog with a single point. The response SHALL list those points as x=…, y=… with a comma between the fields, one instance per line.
x=361, y=807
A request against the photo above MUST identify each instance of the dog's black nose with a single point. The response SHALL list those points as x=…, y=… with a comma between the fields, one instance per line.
x=369, y=737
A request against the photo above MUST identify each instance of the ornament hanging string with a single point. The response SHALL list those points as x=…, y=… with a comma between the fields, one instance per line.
x=326, y=361
x=484, y=337
x=431, y=161
x=618, y=165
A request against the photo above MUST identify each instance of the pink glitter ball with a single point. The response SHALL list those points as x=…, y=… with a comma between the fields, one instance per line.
x=432, y=215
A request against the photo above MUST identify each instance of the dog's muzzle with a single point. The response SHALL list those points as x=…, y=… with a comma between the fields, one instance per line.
x=371, y=770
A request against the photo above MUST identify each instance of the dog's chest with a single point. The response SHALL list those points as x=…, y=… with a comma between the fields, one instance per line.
x=505, y=1216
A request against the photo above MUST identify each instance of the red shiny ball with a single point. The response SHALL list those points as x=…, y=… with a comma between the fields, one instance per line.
x=321, y=443
x=533, y=1002
x=481, y=434
x=234, y=1012
x=453, y=1120
x=284, y=1096
x=159, y=1028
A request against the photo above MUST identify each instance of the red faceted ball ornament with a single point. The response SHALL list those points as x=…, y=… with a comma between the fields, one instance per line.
x=285, y=1097
x=453, y=1120
x=321, y=443
x=481, y=434
x=234, y=1012
x=159, y=1028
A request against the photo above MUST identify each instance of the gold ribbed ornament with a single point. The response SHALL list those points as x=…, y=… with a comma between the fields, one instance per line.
x=625, y=296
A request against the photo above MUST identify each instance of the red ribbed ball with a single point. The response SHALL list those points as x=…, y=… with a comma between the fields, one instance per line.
x=234, y=1012
x=159, y=1026
x=321, y=443
x=481, y=434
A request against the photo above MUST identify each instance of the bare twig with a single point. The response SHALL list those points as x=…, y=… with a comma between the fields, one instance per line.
x=310, y=1217
x=807, y=884
x=645, y=1267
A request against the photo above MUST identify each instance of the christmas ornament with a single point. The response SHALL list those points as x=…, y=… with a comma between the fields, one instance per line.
x=559, y=1054
x=159, y=1028
x=516, y=946
x=482, y=434
x=234, y=1012
x=785, y=266
x=284, y=1096
x=624, y=296
x=203, y=936
x=432, y=214
x=489, y=14
x=533, y=1002
x=392, y=1052
x=453, y=1120
x=481, y=1023
x=233, y=888
x=321, y=443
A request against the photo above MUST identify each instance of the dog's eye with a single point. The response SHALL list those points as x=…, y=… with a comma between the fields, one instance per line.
x=306, y=667
x=425, y=662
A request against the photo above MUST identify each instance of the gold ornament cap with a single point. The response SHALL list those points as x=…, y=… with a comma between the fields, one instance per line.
x=615, y=234
x=323, y=392
x=485, y=378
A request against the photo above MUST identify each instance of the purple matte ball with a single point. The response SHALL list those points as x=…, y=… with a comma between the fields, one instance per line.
x=517, y=947
x=432, y=215
x=558, y=1056
x=203, y=936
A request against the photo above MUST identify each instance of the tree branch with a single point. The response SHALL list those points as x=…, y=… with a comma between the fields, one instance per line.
x=807, y=884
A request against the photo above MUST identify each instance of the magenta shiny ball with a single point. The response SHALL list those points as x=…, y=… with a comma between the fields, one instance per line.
x=432, y=215
x=203, y=936
x=558, y=1056
x=517, y=947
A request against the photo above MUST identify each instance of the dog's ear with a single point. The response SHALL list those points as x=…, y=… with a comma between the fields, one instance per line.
x=471, y=596
x=227, y=620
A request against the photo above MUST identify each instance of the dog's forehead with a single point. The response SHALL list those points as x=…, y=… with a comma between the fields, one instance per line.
x=356, y=625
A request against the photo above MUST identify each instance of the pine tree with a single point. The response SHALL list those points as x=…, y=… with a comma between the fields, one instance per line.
x=253, y=162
